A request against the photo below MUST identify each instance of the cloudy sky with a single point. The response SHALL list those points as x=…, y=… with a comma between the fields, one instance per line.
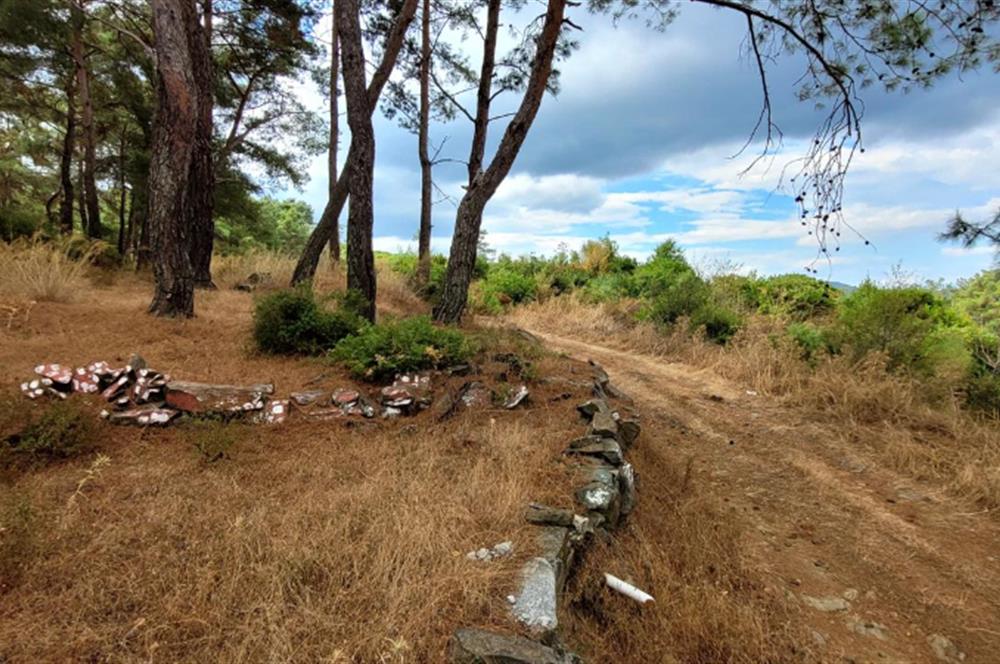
x=639, y=142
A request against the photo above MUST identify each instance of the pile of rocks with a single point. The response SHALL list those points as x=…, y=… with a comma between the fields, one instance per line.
x=605, y=496
x=142, y=396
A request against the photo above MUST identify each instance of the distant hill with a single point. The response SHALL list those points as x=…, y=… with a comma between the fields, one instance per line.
x=846, y=289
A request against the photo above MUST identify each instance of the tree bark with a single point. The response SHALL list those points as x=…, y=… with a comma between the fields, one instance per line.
x=426, y=167
x=334, y=141
x=81, y=195
x=122, y=195
x=360, y=172
x=305, y=269
x=485, y=91
x=93, y=205
x=66, y=161
x=465, y=241
x=202, y=179
x=175, y=25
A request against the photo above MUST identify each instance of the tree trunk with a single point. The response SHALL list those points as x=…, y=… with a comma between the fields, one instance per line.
x=66, y=161
x=175, y=130
x=360, y=172
x=93, y=205
x=201, y=196
x=426, y=175
x=130, y=228
x=334, y=140
x=462, y=259
x=81, y=196
x=485, y=91
x=122, y=196
x=305, y=269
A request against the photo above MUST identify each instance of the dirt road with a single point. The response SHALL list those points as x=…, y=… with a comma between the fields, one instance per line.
x=880, y=568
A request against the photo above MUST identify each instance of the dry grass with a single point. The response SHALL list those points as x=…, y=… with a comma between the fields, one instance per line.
x=40, y=271
x=892, y=415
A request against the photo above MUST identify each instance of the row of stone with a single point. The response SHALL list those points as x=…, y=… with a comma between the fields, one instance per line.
x=606, y=496
x=141, y=396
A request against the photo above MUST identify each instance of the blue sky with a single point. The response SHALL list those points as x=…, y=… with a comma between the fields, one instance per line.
x=639, y=142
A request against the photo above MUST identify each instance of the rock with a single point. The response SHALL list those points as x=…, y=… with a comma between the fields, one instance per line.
x=628, y=431
x=827, y=604
x=208, y=398
x=135, y=363
x=548, y=516
x=603, y=425
x=501, y=550
x=601, y=494
x=409, y=392
x=868, y=628
x=603, y=448
x=309, y=398
x=276, y=411
x=945, y=650
x=590, y=408
x=142, y=416
x=60, y=378
x=850, y=594
x=627, y=487
x=86, y=381
x=252, y=282
x=477, y=646
x=345, y=398
x=475, y=395
x=543, y=578
x=516, y=398
x=600, y=375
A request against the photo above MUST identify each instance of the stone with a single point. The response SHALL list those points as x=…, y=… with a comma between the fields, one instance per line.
x=345, y=398
x=628, y=431
x=516, y=398
x=253, y=281
x=409, y=393
x=627, y=487
x=556, y=546
x=276, y=411
x=543, y=578
x=361, y=407
x=590, y=408
x=208, y=398
x=60, y=377
x=142, y=416
x=86, y=381
x=477, y=646
x=548, y=516
x=309, y=398
x=135, y=363
x=945, y=650
x=601, y=494
x=827, y=604
x=600, y=375
x=603, y=425
x=501, y=550
x=603, y=448
x=850, y=594
x=475, y=395
x=868, y=628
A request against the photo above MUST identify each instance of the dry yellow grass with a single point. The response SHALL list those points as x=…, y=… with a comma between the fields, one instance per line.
x=40, y=271
x=891, y=414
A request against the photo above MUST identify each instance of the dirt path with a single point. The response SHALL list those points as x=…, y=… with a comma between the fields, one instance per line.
x=882, y=568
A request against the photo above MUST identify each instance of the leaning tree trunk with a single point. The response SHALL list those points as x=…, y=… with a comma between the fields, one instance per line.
x=66, y=160
x=89, y=183
x=334, y=141
x=201, y=195
x=426, y=167
x=305, y=269
x=174, y=134
x=462, y=259
x=360, y=172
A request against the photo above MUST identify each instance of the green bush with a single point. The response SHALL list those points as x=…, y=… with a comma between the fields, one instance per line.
x=508, y=286
x=796, y=296
x=63, y=429
x=906, y=324
x=293, y=322
x=682, y=295
x=719, y=323
x=810, y=340
x=411, y=344
x=736, y=291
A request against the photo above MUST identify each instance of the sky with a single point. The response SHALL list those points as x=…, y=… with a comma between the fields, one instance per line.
x=639, y=145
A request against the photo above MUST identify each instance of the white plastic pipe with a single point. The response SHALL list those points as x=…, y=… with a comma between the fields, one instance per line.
x=627, y=589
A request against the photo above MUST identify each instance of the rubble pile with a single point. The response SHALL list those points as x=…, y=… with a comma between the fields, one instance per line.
x=142, y=396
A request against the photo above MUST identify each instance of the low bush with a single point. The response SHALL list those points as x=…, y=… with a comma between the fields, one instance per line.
x=720, y=324
x=795, y=296
x=670, y=298
x=295, y=322
x=58, y=430
x=504, y=286
x=809, y=339
x=411, y=344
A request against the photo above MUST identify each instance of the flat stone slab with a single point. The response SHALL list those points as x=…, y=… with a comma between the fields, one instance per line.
x=590, y=408
x=478, y=646
x=142, y=416
x=544, y=515
x=602, y=493
x=628, y=432
x=535, y=605
x=602, y=448
x=209, y=398
x=603, y=425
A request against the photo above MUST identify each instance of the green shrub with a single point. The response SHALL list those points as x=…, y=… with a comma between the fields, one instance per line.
x=63, y=429
x=411, y=344
x=736, y=291
x=719, y=323
x=810, y=340
x=509, y=286
x=682, y=295
x=293, y=322
x=796, y=296
x=904, y=323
